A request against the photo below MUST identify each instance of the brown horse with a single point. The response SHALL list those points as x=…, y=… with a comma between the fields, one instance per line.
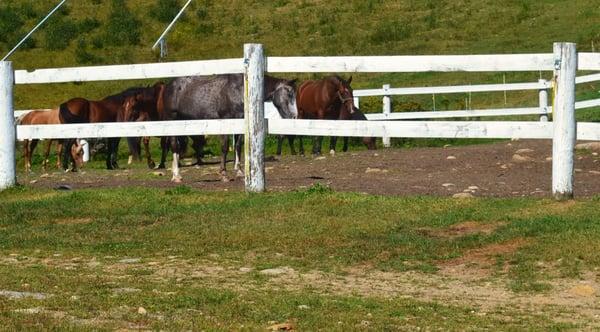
x=109, y=109
x=330, y=98
x=42, y=117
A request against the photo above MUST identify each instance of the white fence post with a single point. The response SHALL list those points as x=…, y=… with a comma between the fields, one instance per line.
x=254, y=114
x=543, y=98
x=8, y=175
x=387, y=109
x=563, y=144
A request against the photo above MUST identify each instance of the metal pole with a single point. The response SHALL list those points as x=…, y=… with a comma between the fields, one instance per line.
x=171, y=24
x=563, y=143
x=33, y=30
x=254, y=115
x=8, y=175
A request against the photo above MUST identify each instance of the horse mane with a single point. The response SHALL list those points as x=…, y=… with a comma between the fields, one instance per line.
x=120, y=97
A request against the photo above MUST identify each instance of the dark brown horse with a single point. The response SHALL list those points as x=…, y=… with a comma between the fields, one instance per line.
x=109, y=109
x=330, y=98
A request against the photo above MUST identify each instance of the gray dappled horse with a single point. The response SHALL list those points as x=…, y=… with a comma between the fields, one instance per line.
x=220, y=97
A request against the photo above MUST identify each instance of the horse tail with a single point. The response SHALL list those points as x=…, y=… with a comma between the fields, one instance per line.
x=66, y=116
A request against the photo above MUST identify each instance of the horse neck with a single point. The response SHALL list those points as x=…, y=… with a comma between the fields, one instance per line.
x=270, y=86
x=105, y=110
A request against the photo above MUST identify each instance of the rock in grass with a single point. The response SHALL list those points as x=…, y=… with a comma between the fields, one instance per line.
x=22, y=295
x=130, y=260
x=593, y=146
x=524, y=151
x=463, y=195
x=521, y=159
x=583, y=290
x=277, y=271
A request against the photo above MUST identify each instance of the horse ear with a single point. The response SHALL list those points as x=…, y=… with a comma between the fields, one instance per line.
x=293, y=82
x=350, y=80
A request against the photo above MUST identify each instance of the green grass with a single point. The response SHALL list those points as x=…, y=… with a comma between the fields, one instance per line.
x=46, y=231
x=212, y=29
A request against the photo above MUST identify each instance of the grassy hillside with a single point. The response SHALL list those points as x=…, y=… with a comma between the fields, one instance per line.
x=91, y=32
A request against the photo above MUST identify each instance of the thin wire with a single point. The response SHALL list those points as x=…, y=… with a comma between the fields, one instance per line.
x=171, y=24
x=33, y=30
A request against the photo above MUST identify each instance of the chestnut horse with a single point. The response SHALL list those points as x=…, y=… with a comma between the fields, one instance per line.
x=109, y=109
x=330, y=98
x=42, y=117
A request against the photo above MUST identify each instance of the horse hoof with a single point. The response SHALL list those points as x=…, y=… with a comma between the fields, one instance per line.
x=239, y=174
x=151, y=165
x=177, y=179
x=332, y=152
x=225, y=179
x=161, y=166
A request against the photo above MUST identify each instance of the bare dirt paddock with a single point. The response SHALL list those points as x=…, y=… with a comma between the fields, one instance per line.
x=504, y=169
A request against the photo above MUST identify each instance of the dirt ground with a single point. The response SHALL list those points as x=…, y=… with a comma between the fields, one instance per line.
x=505, y=169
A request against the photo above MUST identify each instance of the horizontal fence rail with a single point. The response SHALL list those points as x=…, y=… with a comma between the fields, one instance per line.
x=405, y=64
x=452, y=89
x=414, y=129
x=588, y=61
x=455, y=114
x=132, y=129
x=129, y=72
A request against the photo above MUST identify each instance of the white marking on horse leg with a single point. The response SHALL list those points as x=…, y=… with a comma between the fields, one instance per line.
x=176, y=176
x=332, y=152
x=130, y=160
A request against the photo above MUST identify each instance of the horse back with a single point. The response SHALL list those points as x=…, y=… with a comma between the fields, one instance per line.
x=315, y=100
x=75, y=110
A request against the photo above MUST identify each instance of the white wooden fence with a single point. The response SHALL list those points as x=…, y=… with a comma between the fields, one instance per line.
x=564, y=62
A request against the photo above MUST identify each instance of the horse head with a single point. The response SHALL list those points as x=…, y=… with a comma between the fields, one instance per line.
x=345, y=95
x=142, y=105
x=130, y=110
x=77, y=153
x=284, y=99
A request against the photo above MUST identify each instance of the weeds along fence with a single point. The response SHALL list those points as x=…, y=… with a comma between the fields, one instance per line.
x=564, y=62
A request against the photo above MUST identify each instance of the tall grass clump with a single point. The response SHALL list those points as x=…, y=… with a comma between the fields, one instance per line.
x=165, y=10
x=122, y=27
x=10, y=24
x=390, y=31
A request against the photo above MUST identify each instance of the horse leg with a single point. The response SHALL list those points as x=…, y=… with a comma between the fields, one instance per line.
x=224, y=150
x=332, y=144
x=111, y=158
x=279, y=144
x=345, y=148
x=47, y=154
x=301, y=146
x=59, y=146
x=164, y=145
x=27, y=156
x=66, y=156
x=149, y=161
x=135, y=149
x=291, y=142
x=175, y=167
x=317, y=142
x=238, y=154
x=198, y=143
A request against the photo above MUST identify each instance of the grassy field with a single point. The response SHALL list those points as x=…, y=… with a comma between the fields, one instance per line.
x=139, y=258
